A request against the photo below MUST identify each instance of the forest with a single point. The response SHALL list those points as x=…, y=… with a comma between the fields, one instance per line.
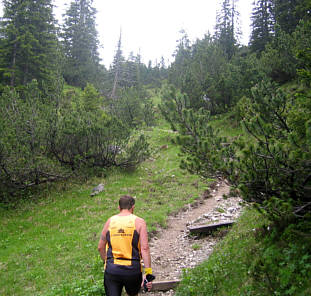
x=65, y=117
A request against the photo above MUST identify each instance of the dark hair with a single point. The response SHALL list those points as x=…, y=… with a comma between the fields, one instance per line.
x=126, y=202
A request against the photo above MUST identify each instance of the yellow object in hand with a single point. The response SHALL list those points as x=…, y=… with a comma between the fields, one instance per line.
x=148, y=270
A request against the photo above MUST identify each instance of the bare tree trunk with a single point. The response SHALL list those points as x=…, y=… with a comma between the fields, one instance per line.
x=115, y=82
x=12, y=80
x=26, y=72
x=117, y=68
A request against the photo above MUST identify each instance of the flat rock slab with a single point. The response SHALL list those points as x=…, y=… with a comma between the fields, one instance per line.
x=209, y=228
x=164, y=285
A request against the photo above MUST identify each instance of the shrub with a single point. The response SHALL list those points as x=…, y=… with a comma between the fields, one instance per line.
x=45, y=139
x=24, y=128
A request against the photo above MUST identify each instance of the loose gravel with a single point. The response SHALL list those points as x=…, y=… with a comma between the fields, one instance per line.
x=174, y=249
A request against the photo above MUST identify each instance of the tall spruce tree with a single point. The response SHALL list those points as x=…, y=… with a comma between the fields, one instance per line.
x=80, y=43
x=29, y=46
x=179, y=71
x=262, y=25
x=227, y=30
x=288, y=13
x=124, y=73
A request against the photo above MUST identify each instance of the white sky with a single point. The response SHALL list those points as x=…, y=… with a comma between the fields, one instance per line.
x=151, y=27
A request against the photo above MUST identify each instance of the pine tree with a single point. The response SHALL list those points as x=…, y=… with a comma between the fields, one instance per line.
x=131, y=71
x=29, y=48
x=179, y=72
x=288, y=13
x=262, y=25
x=226, y=30
x=124, y=73
x=80, y=43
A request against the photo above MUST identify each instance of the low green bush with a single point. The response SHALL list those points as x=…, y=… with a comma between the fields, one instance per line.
x=44, y=139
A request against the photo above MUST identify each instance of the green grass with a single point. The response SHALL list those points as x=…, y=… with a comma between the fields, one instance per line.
x=220, y=210
x=226, y=125
x=49, y=245
x=196, y=247
x=251, y=260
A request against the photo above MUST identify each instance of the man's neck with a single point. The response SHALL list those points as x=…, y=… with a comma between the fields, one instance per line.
x=125, y=212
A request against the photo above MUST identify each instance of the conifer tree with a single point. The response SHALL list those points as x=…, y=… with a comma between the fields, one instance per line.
x=179, y=72
x=227, y=30
x=262, y=25
x=80, y=43
x=29, y=46
x=288, y=13
x=124, y=73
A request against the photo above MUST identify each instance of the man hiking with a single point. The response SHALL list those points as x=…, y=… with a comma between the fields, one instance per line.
x=122, y=245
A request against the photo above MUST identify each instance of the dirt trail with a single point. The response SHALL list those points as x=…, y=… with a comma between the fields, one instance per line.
x=173, y=249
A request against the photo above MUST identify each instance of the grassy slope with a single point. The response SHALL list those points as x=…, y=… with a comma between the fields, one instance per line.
x=53, y=241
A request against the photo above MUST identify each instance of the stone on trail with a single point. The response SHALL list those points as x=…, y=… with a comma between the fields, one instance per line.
x=97, y=189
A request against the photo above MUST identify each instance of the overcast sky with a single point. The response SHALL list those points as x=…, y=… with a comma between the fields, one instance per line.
x=151, y=27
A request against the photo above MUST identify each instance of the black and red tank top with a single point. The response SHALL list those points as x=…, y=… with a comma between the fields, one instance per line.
x=123, y=246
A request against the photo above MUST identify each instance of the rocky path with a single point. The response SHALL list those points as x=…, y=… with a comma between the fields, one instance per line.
x=173, y=249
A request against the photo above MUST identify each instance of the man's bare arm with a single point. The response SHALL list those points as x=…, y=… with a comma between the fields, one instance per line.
x=103, y=241
x=144, y=246
x=145, y=251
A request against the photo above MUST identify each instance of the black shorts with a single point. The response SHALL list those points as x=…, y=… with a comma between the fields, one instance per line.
x=115, y=283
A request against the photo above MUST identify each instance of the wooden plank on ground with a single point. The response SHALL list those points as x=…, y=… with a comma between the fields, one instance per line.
x=209, y=228
x=164, y=285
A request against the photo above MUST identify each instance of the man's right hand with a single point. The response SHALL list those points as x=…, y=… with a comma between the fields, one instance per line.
x=145, y=284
